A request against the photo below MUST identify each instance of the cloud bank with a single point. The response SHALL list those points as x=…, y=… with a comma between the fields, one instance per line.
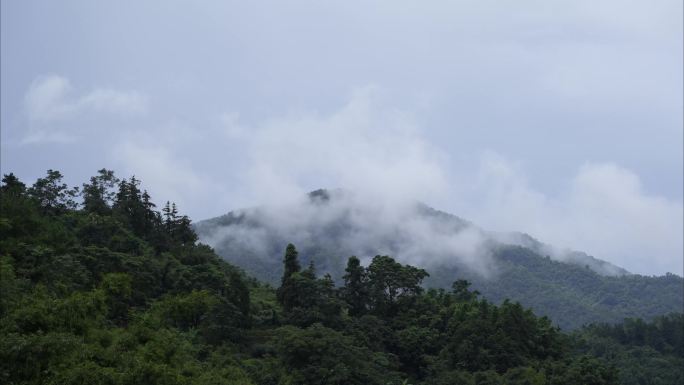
x=52, y=99
x=382, y=154
x=603, y=211
x=330, y=225
x=364, y=147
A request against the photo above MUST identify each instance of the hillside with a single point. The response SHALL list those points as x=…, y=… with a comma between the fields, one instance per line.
x=644, y=352
x=111, y=291
x=570, y=287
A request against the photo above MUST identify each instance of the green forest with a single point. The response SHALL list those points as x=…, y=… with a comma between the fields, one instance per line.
x=570, y=294
x=101, y=286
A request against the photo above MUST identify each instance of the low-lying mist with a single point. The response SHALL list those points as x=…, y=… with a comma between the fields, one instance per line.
x=389, y=160
x=330, y=225
x=347, y=223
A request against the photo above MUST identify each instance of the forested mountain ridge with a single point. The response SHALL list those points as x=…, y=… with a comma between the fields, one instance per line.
x=571, y=288
x=98, y=287
x=644, y=352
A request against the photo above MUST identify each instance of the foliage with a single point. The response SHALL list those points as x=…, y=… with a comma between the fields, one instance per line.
x=115, y=292
x=355, y=287
x=570, y=293
x=110, y=294
x=650, y=353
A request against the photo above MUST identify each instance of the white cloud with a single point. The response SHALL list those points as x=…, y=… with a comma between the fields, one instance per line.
x=350, y=223
x=113, y=102
x=365, y=147
x=380, y=154
x=45, y=98
x=604, y=211
x=52, y=99
x=553, y=84
x=165, y=174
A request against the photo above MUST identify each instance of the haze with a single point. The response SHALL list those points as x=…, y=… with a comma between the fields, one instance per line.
x=560, y=119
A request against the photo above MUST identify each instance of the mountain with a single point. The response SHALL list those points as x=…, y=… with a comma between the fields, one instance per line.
x=328, y=226
x=115, y=292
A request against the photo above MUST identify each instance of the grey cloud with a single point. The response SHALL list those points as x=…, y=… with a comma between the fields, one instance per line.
x=377, y=153
x=603, y=211
x=52, y=98
x=249, y=103
x=349, y=223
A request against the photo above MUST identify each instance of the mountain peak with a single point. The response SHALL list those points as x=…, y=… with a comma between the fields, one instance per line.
x=332, y=224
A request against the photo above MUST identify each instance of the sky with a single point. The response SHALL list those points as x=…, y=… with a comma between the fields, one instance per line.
x=562, y=119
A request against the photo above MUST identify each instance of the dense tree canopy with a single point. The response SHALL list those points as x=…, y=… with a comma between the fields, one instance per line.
x=571, y=293
x=644, y=352
x=107, y=290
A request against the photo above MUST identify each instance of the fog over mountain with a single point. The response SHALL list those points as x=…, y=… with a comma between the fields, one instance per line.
x=383, y=155
x=329, y=226
x=347, y=223
x=342, y=192
x=563, y=122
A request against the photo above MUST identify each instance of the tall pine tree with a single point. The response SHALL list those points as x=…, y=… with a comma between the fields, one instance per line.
x=355, y=291
x=286, y=292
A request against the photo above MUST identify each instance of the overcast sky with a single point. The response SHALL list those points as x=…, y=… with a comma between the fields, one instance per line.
x=559, y=118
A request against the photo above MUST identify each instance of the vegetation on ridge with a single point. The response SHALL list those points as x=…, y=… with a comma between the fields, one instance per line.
x=332, y=227
x=105, y=289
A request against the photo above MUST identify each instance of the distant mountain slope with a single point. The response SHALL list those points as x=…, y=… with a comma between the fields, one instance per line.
x=572, y=288
x=571, y=295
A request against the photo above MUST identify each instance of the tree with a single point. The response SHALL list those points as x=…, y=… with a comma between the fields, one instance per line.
x=12, y=186
x=151, y=217
x=355, y=291
x=183, y=233
x=137, y=210
x=461, y=292
x=170, y=213
x=19, y=214
x=238, y=294
x=306, y=299
x=117, y=289
x=86, y=297
x=52, y=194
x=390, y=281
x=129, y=205
x=291, y=262
x=285, y=293
x=98, y=195
x=319, y=355
x=586, y=371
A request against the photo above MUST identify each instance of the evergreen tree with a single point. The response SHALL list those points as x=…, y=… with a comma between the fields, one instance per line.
x=183, y=232
x=150, y=217
x=128, y=204
x=19, y=214
x=310, y=271
x=170, y=213
x=355, y=291
x=52, y=194
x=286, y=295
x=238, y=294
x=291, y=262
x=74, y=311
x=12, y=186
x=98, y=195
x=461, y=292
